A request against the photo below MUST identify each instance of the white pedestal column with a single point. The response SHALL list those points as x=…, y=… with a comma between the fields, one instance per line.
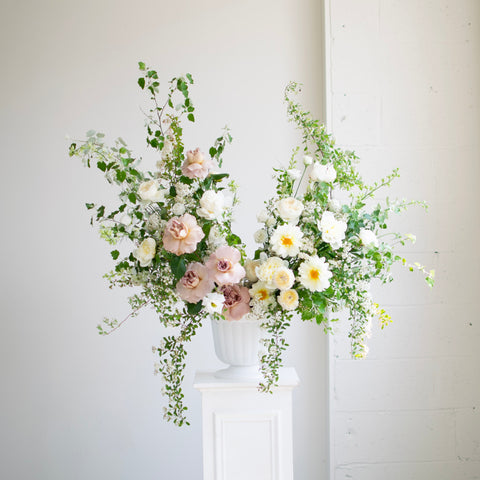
x=246, y=434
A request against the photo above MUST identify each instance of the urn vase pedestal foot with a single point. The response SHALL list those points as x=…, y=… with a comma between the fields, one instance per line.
x=247, y=434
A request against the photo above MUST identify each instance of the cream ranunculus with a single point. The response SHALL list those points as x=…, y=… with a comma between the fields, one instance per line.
x=145, y=252
x=333, y=230
x=323, y=173
x=288, y=299
x=212, y=205
x=267, y=270
x=283, y=278
x=368, y=238
x=289, y=209
x=149, y=192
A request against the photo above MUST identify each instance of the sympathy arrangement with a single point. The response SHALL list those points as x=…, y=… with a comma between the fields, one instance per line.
x=316, y=255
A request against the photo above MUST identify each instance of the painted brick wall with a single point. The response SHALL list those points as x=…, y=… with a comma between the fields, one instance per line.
x=403, y=89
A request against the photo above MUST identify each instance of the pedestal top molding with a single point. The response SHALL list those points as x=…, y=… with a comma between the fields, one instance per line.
x=206, y=380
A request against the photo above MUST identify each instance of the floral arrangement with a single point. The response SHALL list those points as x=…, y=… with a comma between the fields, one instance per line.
x=316, y=255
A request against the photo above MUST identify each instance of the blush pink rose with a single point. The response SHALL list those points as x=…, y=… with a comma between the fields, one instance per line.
x=237, y=301
x=196, y=165
x=195, y=284
x=182, y=234
x=224, y=267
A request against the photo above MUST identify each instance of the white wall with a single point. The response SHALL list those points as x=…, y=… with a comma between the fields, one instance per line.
x=75, y=405
x=404, y=90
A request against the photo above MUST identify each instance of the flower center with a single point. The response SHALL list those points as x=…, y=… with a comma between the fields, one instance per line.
x=190, y=279
x=224, y=265
x=178, y=230
x=314, y=274
x=232, y=296
x=286, y=241
x=262, y=294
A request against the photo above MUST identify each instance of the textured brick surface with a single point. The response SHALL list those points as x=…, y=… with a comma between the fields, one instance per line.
x=405, y=92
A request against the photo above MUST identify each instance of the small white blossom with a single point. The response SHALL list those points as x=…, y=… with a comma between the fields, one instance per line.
x=178, y=209
x=270, y=222
x=307, y=160
x=260, y=236
x=213, y=303
x=294, y=173
x=368, y=238
x=262, y=216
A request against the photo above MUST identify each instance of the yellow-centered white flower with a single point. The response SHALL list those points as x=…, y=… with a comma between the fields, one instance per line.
x=289, y=209
x=261, y=293
x=288, y=299
x=315, y=274
x=283, y=278
x=286, y=240
x=333, y=230
x=145, y=252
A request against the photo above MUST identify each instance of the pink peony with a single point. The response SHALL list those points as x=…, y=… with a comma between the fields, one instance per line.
x=195, y=284
x=224, y=267
x=196, y=165
x=182, y=234
x=237, y=301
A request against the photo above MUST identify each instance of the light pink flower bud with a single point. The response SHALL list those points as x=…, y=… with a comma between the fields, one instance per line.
x=196, y=165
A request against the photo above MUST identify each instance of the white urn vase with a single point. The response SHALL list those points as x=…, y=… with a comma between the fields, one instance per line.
x=237, y=343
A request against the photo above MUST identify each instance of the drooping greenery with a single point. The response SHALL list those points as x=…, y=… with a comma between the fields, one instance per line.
x=317, y=255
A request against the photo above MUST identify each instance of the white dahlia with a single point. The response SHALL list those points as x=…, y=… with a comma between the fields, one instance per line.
x=315, y=274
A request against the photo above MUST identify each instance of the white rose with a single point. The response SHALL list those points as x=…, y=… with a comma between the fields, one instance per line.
x=211, y=205
x=260, y=236
x=368, y=238
x=333, y=230
x=307, y=160
x=150, y=192
x=323, y=173
x=289, y=209
x=145, y=252
x=178, y=209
